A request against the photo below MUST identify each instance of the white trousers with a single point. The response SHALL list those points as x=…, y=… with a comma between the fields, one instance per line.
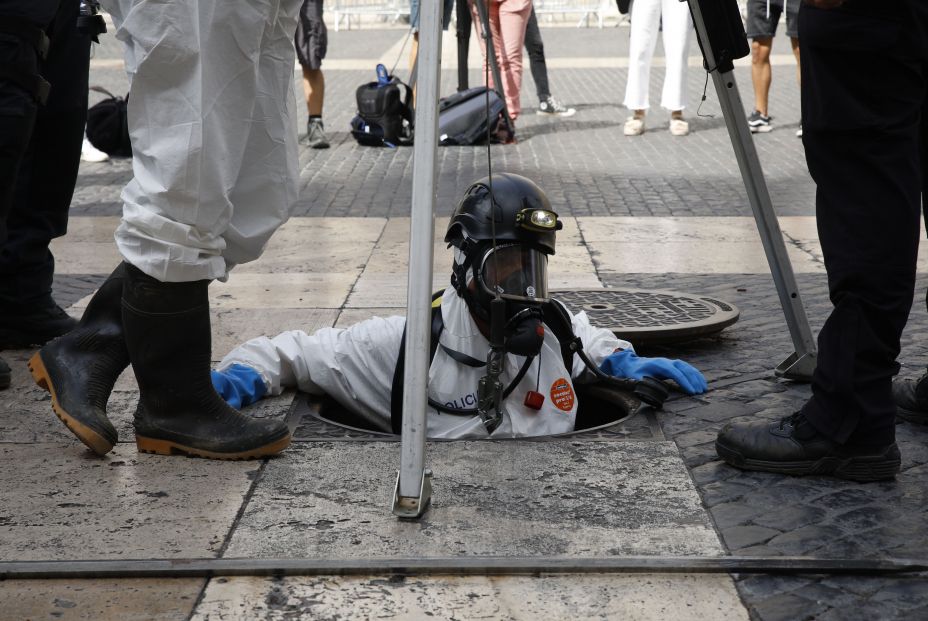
x=646, y=16
x=212, y=120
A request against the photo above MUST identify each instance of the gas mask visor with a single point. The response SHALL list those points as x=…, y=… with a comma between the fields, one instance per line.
x=516, y=272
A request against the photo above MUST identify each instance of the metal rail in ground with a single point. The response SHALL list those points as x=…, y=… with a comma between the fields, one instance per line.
x=497, y=566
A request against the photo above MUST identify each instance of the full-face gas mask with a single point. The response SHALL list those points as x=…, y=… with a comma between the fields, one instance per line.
x=501, y=252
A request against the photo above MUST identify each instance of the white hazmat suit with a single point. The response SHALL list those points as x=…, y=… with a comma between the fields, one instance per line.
x=213, y=128
x=355, y=366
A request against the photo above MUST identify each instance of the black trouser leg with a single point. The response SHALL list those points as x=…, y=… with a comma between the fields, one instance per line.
x=536, y=56
x=865, y=159
x=17, y=119
x=46, y=178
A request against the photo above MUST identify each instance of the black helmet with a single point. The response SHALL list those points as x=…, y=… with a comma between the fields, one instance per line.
x=515, y=267
x=522, y=212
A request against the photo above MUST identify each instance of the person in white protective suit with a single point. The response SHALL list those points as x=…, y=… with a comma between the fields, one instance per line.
x=358, y=366
x=215, y=172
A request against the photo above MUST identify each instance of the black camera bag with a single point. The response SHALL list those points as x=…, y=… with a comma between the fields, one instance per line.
x=462, y=117
x=107, y=124
x=385, y=115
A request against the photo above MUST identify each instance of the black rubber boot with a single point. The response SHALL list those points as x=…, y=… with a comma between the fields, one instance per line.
x=80, y=368
x=911, y=397
x=6, y=374
x=168, y=336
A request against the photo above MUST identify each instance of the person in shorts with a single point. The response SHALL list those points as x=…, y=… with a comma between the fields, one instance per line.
x=311, y=41
x=760, y=26
x=447, y=9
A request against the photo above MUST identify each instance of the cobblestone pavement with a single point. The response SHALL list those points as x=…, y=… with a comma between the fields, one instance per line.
x=589, y=169
x=761, y=514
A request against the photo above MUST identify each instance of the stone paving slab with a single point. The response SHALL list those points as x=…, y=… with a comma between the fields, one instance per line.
x=129, y=599
x=579, y=499
x=685, y=257
x=555, y=597
x=285, y=290
x=61, y=502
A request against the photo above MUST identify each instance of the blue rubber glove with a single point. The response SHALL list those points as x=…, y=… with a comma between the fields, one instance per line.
x=627, y=364
x=238, y=385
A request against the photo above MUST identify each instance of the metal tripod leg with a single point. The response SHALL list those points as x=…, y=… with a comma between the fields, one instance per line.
x=800, y=364
x=413, y=490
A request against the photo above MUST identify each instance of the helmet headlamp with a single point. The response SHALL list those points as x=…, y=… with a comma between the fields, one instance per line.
x=538, y=220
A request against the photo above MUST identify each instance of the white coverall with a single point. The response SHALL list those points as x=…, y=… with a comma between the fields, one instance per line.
x=212, y=119
x=355, y=366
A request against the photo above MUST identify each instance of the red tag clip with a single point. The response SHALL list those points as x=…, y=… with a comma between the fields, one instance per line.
x=534, y=400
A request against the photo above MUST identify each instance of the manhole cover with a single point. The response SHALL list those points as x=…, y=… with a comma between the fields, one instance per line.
x=645, y=317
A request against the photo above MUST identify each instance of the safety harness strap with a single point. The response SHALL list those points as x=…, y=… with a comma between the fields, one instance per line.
x=462, y=358
x=396, y=391
x=556, y=318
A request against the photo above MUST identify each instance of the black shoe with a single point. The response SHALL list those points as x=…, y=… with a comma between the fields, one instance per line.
x=21, y=328
x=80, y=368
x=552, y=107
x=168, y=336
x=792, y=446
x=911, y=397
x=6, y=375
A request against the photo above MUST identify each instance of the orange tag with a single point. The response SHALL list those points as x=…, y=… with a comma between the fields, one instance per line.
x=562, y=394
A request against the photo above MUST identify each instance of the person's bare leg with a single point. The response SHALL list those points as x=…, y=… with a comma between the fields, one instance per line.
x=795, y=43
x=413, y=51
x=760, y=72
x=314, y=90
x=413, y=55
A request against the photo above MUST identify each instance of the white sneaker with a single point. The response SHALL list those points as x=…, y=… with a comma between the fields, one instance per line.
x=633, y=126
x=679, y=127
x=90, y=153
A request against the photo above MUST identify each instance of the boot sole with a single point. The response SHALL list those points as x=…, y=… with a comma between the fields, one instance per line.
x=94, y=441
x=862, y=469
x=167, y=447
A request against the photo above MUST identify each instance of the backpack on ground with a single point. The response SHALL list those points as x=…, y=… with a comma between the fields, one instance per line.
x=462, y=117
x=385, y=115
x=108, y=126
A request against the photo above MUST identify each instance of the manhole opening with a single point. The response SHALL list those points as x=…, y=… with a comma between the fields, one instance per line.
x=599, y=408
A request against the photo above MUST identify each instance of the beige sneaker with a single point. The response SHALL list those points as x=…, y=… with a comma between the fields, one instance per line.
x=679, y=127
x=633, y=126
